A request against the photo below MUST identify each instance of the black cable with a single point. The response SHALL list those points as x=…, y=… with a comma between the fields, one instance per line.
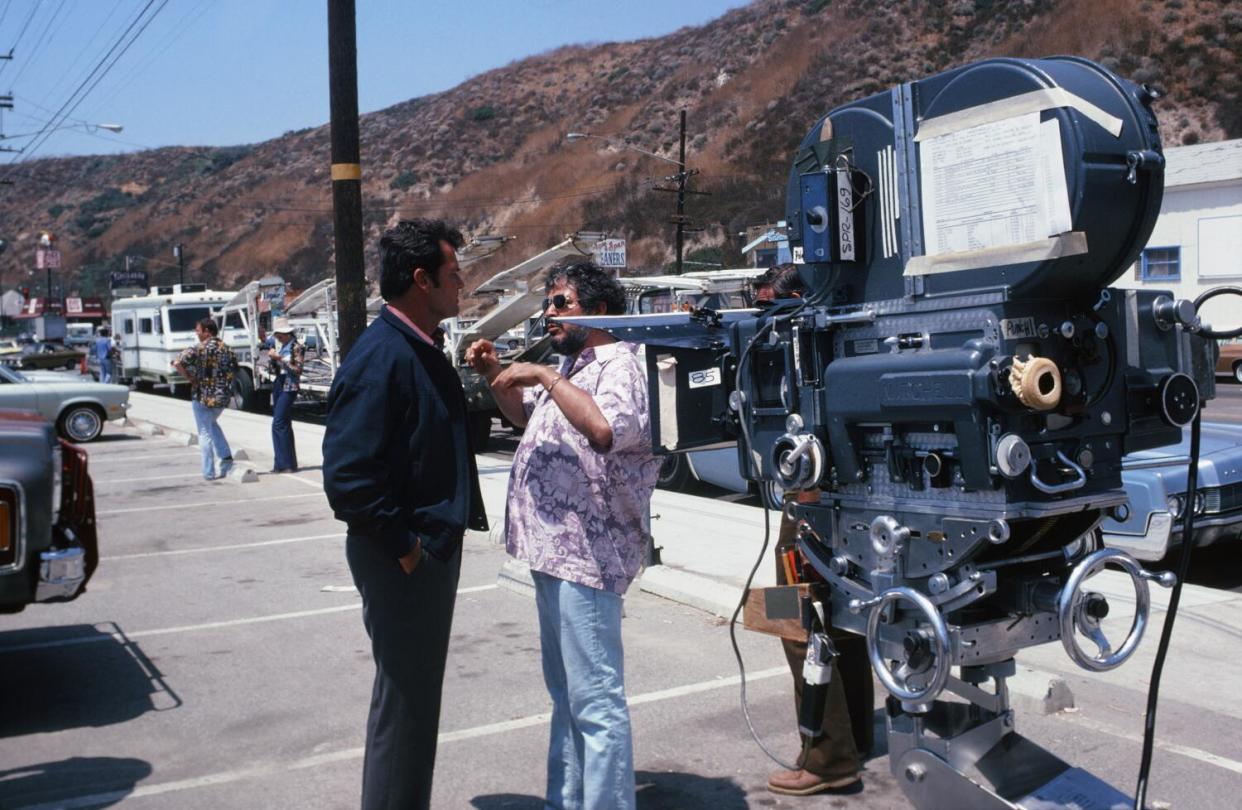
x=1183, y=565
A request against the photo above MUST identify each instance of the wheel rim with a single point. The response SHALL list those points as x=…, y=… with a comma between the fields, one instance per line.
x=669, y=470
x=1237, y=372
x=83, y=425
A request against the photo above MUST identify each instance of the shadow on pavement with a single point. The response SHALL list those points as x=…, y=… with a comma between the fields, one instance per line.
x=507, y=801
x=688, y=791
x=77, y=676
x=108, y=779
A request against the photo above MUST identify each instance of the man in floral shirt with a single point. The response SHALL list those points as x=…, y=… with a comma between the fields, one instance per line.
x=210, y=367
x=579, y=496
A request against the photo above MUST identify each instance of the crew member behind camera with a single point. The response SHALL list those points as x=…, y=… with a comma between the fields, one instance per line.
x=579, y=494
x=831, y=762
x=400, y=471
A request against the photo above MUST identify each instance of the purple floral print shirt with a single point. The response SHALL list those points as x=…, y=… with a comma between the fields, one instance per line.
x=573, y=512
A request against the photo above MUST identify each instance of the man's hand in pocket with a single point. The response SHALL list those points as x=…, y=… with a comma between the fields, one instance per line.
x=410, y=561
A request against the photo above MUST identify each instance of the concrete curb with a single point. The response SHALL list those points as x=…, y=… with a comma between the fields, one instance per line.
x=515, y=576
x=685, y=588
x=181, y=437
x=242, y=473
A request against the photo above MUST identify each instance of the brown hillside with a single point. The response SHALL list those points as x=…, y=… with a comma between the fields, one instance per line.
x=490, y=154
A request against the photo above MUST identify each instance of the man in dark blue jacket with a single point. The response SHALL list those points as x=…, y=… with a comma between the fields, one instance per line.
x=399, y=469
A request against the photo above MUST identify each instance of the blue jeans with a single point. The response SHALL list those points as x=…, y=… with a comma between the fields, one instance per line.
x=210, y=437
x=590, y=753
x=282, y=430
x=105, y=370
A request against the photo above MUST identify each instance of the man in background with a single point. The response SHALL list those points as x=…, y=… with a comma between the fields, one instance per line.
x=103, y=353
x=210, y=367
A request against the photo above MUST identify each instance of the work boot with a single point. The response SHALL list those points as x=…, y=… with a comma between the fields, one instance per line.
x=805, y=783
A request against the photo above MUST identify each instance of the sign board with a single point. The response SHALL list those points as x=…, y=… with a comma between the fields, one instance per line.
x=128, y=278
x=610, y=253
x=73, y=306
x=47, y=259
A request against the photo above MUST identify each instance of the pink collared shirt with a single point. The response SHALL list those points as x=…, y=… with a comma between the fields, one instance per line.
x=401, y=316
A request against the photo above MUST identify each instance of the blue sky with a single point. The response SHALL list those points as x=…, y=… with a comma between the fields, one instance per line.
x=221, y=72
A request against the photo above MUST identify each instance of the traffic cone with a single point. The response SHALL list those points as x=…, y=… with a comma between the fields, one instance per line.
x=82, y=366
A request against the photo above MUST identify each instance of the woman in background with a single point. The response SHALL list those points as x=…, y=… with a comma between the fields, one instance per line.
x=285, y=362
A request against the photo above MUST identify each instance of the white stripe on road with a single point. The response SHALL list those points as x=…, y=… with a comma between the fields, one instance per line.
x=189, y=628
x=1173, y=748
x=234, y=547
x=103, y=481
x=309, y=482
x=97, y=459
x=195, y=504
x=349, y=754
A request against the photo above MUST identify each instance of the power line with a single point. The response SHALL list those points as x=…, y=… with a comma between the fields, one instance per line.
x=99, y=29
x=25, y=25
x=83, y=90
x=42, y=39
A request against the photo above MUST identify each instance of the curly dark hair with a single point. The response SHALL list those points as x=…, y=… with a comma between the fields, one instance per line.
x=413, y=243
x=783, y=279
x=593, y=285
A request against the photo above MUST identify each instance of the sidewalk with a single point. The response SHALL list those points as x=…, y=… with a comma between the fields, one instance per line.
x=709, y=547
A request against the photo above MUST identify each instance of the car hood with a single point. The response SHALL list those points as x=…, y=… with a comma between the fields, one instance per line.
x=77, y=386
x=1215, y=438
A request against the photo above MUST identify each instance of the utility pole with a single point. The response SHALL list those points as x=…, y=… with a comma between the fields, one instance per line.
x=681, y=193
x=351, y=303
x=683, y=175
x=179, y=255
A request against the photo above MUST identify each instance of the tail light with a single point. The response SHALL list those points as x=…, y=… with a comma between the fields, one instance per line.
x=10, y=524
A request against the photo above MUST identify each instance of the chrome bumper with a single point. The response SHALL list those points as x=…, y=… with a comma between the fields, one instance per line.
x=61, y=574
x=1152, y=545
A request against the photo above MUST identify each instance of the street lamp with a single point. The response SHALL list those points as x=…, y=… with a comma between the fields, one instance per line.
x=680, y=219
x=85, y=126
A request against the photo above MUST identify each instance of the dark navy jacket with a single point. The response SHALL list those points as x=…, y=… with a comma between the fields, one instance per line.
x=397, y=459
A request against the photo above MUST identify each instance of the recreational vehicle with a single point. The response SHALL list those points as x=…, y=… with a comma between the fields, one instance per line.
x=155, y=329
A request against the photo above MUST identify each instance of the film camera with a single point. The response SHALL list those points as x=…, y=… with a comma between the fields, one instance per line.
x=957, y=387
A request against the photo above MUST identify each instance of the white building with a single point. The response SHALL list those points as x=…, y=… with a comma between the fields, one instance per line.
x=1197, y=242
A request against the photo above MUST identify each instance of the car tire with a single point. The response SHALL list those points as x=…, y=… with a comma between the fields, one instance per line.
x=674, y=472
x=81, y=423
x=772, y=494
x=70, y=365
x=242, y=398
x=1237, y=372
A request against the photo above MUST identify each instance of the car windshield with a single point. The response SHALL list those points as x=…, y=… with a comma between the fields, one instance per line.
x=12, y=375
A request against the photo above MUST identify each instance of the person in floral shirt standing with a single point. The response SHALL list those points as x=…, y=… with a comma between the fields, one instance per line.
x=579, y=496
x=210, y=367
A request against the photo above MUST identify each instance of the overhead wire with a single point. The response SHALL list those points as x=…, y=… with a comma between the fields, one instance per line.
x=44, y=38
x=101, y=69
x=99, y=29
x=22, y=33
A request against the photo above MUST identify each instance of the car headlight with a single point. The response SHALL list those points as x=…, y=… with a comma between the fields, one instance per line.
x=1200, y=503
x=1176, y=505
x=58, y=481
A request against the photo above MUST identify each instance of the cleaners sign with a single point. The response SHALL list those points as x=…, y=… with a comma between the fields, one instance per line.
x=610, y=253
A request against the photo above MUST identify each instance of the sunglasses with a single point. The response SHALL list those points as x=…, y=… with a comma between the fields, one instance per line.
x=559, y=302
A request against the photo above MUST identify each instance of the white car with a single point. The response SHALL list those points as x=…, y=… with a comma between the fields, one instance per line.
x=78, y=408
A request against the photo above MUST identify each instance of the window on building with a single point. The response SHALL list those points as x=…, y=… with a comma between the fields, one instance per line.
x=184, y=319
x=1161, y=264
x=234, y=321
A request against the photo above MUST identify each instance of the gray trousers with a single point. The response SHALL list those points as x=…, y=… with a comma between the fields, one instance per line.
x=408, y=618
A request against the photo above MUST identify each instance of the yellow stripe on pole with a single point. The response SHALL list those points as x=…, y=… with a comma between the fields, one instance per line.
x=346, y=171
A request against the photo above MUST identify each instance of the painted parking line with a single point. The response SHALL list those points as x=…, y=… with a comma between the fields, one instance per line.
x=231, y=547
x=122, y=638
x=102, y=481
x=1173, y=748
x=96, y=459
x=310, y=482
x=197, y=504
x=350, y=754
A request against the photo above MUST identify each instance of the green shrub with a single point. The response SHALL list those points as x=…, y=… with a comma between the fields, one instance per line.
x=404, y=180
x=55, y=210
x=484, y=113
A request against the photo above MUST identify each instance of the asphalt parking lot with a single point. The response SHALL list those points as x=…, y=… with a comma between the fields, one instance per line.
x=219, y=660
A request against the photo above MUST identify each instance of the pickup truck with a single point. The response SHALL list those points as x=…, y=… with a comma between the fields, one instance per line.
x=48, y=544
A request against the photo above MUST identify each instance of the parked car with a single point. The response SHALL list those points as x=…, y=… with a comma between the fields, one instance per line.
x=50, y=355
x=48, y=545
x=78, y=408
x=717, y=467
x=1230, y=360
x=1156, y=481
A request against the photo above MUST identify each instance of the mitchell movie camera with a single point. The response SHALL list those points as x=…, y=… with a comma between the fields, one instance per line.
x=958, y=385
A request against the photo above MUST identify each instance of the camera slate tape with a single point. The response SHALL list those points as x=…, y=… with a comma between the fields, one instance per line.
x=666, y=368
x=1034, y=101
x=1054, y=247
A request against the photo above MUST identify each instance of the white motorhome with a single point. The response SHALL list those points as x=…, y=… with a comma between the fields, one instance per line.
x=155, y=328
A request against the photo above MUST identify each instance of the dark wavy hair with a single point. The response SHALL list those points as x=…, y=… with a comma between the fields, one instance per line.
x=413, y=243
x=593, y=285
x=783, y=279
